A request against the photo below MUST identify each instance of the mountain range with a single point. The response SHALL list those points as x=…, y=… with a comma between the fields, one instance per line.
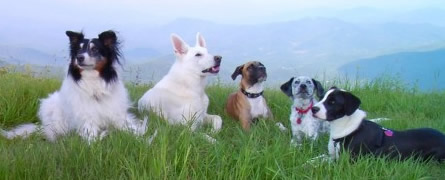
x=424, y=69
x=311, y=46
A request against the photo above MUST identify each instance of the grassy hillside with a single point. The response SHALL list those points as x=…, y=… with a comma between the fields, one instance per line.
x=176, y=153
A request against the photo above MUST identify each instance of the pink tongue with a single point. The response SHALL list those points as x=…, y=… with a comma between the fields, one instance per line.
x=215, y=68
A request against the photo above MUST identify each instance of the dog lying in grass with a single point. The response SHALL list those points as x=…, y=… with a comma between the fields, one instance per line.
x=352, y=132
x=92, y=99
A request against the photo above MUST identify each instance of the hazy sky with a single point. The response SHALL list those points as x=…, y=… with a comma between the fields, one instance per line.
x=162, y=11
x=26, y=23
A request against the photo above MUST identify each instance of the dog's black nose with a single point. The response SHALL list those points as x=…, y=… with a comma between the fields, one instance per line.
x=315, y=110
x=303, y=86
x=80, y=58
x=217, y=59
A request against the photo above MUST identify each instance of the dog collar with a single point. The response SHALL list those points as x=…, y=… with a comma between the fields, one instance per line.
x=251, y=95
x=302, y=112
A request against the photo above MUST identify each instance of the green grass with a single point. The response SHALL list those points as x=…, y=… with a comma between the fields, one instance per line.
x=176, y=153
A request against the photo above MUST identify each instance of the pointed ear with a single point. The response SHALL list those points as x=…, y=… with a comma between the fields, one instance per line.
x=287, y=87
x=108, y=38
x=238, y=71
x=319, y=88
x=351, y=103
x=200, y=41
x=75, y=37
x=179, y=45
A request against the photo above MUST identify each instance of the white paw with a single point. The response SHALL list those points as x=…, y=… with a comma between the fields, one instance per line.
x=295, y=143
x=141, y=130
x=152, y=137
x=376, y=120
x=209, y=138
x=280, y=126
x=318, y=160
x=217, y=124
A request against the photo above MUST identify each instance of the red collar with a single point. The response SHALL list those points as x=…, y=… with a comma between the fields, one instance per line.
x=304, y=111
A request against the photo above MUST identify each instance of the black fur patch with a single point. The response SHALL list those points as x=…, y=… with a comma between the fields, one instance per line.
x=286, y=88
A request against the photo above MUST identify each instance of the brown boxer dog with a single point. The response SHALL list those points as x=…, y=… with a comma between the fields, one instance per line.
x=248, y=103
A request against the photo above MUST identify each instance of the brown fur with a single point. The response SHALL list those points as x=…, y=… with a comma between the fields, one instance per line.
x=100, y=65
x=238, y=106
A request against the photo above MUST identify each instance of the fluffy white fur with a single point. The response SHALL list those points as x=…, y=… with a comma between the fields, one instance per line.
x=89, y=107
x=179, y=96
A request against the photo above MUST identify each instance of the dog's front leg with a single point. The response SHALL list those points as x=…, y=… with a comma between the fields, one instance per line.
x=136, y=126
x=333, y=149
x=215, y=121
x=89, y=132
x=296, y=138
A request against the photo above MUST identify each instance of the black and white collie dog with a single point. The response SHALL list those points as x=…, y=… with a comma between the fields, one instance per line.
x=92, y=99
x=350, y=131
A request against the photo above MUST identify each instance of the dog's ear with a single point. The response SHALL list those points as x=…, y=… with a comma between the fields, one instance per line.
x=238, y=71
x=287, y=87
x=108, y=38
x=179, y=45
x=200, y=41
x=351, y=103
x=319, y=88
x=75, y=37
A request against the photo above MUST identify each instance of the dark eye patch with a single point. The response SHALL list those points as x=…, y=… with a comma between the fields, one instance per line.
x=198, y=54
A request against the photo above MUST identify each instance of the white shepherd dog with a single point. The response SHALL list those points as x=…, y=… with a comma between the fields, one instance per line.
x=180, y=97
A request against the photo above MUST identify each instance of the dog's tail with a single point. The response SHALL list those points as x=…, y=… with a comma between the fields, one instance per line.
x=22, y=131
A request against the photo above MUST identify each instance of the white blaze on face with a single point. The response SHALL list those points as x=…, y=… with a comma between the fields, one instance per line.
x=322, y=112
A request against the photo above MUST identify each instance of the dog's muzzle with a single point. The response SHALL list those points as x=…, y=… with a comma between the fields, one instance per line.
x=214, y=69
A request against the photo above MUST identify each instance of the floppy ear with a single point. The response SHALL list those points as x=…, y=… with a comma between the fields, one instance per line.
x=351, y=103
x=108, y=38
x=238, y=71
x=287, y=87
x=75, y=37
x=318, y=88
x=200, y=41
x=179, y=45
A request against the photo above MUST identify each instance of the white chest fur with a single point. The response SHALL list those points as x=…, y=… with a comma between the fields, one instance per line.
x=258, y=106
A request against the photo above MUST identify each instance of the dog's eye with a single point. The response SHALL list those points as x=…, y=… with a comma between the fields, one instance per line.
x=94, y=50
x=198, y=54
x=331, y=102
x=308, y=82
x=297, y=82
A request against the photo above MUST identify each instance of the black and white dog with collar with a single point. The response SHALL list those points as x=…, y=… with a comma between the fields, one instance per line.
x=350, y=130
x=302, y=91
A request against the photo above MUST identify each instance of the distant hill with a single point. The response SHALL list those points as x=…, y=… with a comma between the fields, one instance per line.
x=308, y=46
x=425, y=69
x=138, y=55
x=21, y=55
